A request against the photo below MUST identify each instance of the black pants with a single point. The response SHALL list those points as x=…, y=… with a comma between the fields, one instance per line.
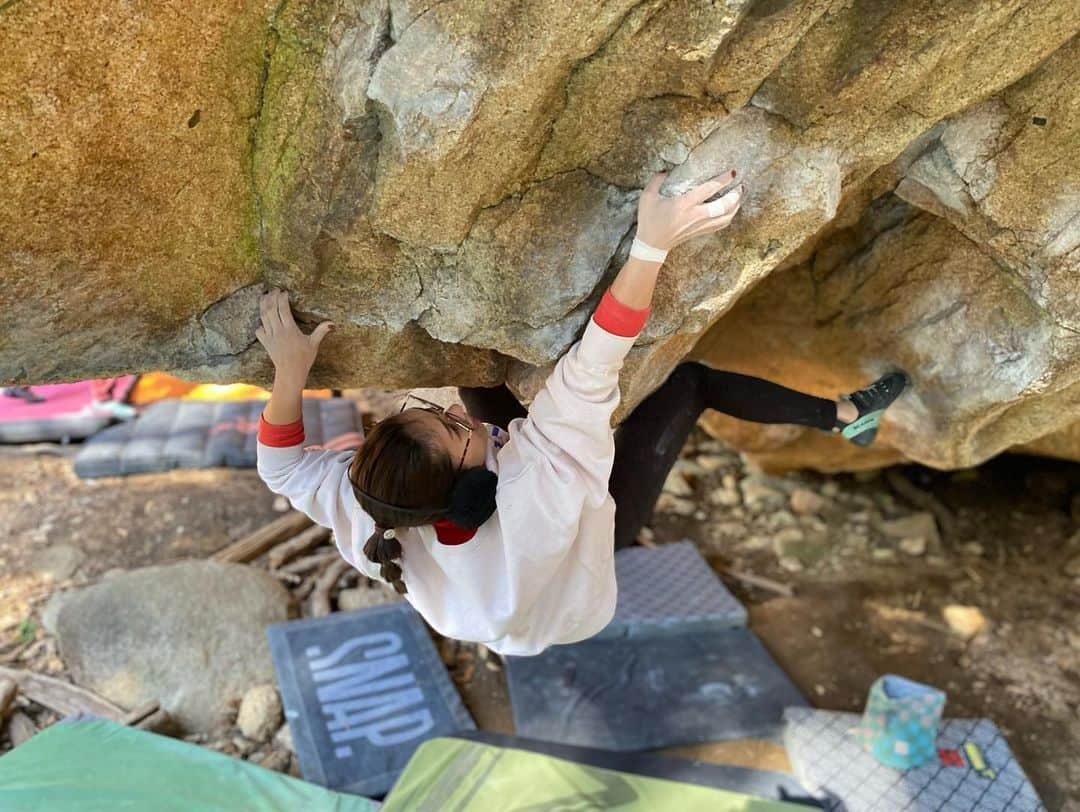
x=649, y=441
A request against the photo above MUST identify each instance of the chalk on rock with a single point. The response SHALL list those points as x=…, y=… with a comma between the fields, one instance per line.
x=362, y=690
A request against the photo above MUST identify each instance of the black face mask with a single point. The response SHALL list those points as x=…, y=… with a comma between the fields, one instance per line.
x=471, y=503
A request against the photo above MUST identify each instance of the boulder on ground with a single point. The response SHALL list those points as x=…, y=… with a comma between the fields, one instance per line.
x=189, y=635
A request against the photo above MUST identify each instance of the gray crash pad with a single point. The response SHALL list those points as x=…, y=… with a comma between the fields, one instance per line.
x=201, y=434
x=831, y=764
x=759, y=783
x=644, y=693
x=362, y=690
x=669, y=590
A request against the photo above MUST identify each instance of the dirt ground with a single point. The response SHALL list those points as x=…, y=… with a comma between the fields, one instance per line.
x=861, y=606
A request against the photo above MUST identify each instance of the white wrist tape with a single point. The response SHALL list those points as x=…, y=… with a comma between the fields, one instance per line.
x=645, y=252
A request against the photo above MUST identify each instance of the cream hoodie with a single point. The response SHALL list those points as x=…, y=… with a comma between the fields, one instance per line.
x=540, y=571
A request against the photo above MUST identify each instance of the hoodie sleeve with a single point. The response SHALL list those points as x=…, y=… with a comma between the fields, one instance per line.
x=315, y=483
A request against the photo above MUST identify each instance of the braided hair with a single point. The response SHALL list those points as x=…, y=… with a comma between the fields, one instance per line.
x=401, y=463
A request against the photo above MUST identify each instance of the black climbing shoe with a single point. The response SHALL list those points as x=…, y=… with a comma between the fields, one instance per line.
x=872, y=403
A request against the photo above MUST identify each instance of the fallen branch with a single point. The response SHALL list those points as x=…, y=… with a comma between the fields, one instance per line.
x=20, y=728
x=135, y=716
x=255, y=544
x=288, y=577
x=908, y=490
x=320, y=596
x=760, y=581
x=308, y=540
x=310, y=562
x=8, y=689
x=60, y=696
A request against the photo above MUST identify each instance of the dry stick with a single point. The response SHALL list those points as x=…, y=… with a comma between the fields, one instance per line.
x=760, y=581
x=310, y=538
x=60, y=696
x=155, y=721
x=8, y=689
x=20, y=728
x=302, y=591
x=907, y=489
x=136, y=715
x=320, y=597
x=252, y=546
x=310, y=562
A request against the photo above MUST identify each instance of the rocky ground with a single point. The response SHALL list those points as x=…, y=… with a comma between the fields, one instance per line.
x=969, y=581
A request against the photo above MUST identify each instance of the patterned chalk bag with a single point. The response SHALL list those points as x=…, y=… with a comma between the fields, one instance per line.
x=900, y=724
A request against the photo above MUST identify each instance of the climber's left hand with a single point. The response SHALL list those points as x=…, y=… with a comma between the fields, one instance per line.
x=292, y=352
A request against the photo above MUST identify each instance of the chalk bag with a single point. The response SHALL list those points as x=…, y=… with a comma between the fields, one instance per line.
x=900, y=724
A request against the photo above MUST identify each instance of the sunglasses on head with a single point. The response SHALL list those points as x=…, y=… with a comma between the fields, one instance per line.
x=416, y=402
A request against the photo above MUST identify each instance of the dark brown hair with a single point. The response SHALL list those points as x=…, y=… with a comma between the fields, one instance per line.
x=401, y=463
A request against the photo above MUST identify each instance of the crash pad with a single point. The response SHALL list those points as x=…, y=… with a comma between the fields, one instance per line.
x=201, y=434
x=646, y=693
x=362, y=690
x=831, y=763
x=95, y=765
x=64, y=412
x=472, y=777
x=669, y=589
x=758, y=783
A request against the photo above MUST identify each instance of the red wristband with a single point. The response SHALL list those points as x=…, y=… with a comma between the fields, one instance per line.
x=618, y=319
x=281, y=436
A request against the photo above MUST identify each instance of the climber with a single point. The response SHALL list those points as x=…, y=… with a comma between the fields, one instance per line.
x=497, y=523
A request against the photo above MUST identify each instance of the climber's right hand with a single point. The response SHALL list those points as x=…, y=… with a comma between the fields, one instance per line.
x=292, y=352
x=664, y=222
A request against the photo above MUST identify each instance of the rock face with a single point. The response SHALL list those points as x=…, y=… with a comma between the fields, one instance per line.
x=190, y=635
x=454, y=184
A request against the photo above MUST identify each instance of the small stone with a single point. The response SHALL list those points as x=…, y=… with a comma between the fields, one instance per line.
x=790, y=543
x=859, y=517
x=58, y=562
x=260, y=713
x=782, y=518
x=711, y=462
x=1072, y=567
x=364, y=597
x=913, y=546
x=283, y=738
x=792, y=564
x=281, y=504
x=755, y=543
x=701, y=515
x=819, y=690
x=673, y=504
x=883, y=554
x=755, y=492
x=816, y=631
x=676, y=484
x=243, y=745
x=965, y=621
x=917, y=525
x=972, y=548
x=276, y=760
x=724, y=497
x=647, y=534
x=806, y=502
x=830, y=489
x=814, y=524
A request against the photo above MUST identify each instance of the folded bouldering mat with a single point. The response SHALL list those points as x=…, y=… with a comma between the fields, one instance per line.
x=759, y=783
x=669, y=590
x=975, y=771
x=362, y=690
x=94, y=765
x=473, y=777
x=58, y=412
x=646, y=693
x=201, y=434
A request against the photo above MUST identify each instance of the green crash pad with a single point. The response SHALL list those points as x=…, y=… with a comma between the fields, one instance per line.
x=467, y=776
x=94, y=764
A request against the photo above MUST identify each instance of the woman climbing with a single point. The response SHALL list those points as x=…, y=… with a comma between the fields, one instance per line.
x=499, y=524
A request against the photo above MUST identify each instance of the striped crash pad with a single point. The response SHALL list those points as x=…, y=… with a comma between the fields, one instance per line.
x=203, y=434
